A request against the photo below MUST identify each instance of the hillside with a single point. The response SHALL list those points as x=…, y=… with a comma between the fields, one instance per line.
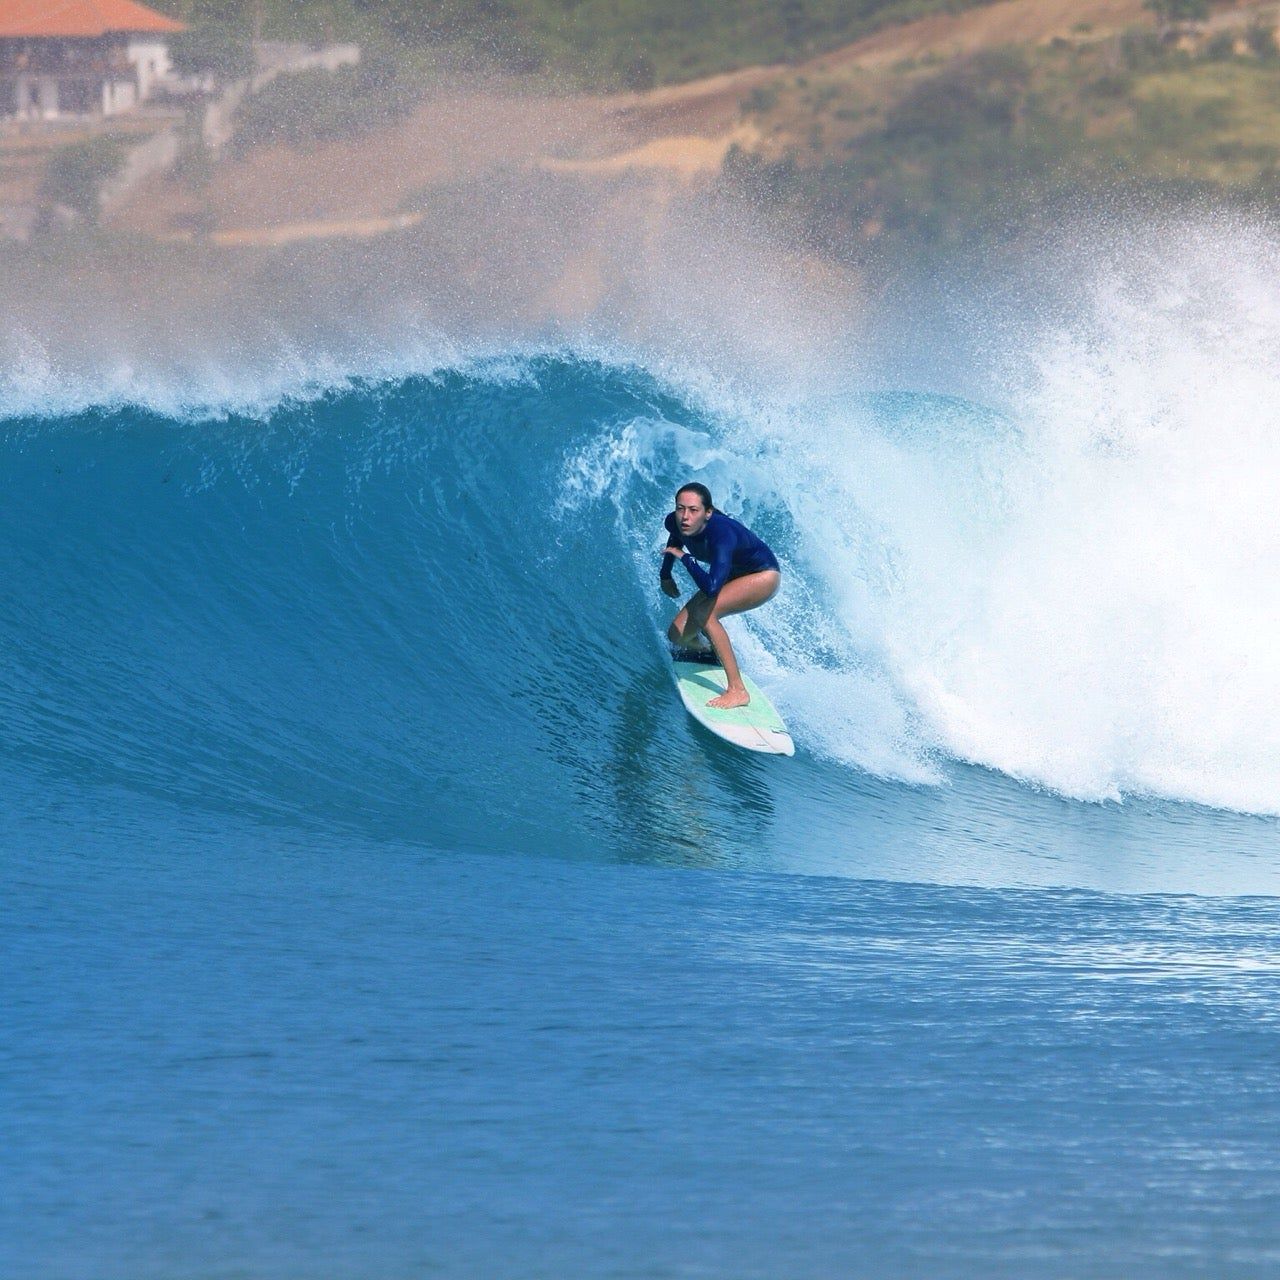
x=603, y=44
x=954, y=128
x=949, y=127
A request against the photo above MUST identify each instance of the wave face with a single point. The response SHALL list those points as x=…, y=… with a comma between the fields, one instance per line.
x=427, y=607
x=354, y=614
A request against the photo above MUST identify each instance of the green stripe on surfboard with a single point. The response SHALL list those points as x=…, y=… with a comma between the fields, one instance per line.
x=757, y=726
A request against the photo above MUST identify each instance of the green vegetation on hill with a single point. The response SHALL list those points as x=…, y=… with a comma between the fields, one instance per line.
x=318, y=106
x=76, y=172
x=927, y=151
x=940, y=152
x=610, y=43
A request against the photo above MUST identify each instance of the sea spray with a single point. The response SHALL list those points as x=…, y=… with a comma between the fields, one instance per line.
x=1112, y=628
x=1074, y=583
x=1078, y=587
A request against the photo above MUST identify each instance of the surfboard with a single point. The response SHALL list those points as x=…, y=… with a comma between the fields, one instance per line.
x=755, y=727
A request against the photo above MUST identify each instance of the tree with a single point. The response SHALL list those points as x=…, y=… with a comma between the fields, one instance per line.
x=217, y=49
x=635, y=71
x=795, y=22
x=75, y=174
x=1171, y=14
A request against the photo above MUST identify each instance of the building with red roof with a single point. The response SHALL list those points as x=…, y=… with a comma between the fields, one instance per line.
x=80, y=57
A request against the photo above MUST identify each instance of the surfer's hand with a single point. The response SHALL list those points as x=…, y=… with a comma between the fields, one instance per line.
x=669, y=586
x=673, y=550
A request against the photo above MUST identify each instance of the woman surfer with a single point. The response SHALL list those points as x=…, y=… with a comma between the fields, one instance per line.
x=743, y=574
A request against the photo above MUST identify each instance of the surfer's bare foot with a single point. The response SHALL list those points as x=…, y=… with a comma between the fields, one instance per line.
x=730, y=698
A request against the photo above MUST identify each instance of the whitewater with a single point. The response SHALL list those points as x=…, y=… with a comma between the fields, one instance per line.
x=351, y=935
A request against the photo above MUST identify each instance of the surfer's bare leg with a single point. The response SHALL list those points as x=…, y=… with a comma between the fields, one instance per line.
x=747, y=592
x=686, y=627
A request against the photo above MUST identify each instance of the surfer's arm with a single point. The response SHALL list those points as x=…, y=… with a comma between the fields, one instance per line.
x=666, y=578
x=709, y=581
x=673, y=540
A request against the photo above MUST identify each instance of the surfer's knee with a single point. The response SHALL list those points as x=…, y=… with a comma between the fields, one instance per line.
x=699, y=609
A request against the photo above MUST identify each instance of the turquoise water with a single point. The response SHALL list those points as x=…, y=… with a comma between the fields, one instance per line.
x=373, y=909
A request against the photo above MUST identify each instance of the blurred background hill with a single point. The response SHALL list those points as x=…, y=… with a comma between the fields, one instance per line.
x=889, y=124
x=632, y=44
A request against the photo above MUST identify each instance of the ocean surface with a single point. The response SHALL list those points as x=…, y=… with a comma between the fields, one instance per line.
x=372, y=909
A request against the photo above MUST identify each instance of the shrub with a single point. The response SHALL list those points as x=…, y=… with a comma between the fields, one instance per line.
x=215, y=49
x=1221, y=47
x=636, y=72
x=1261, y=40
x=1172, y=12
x=76, y=173
x=1112, y=84
x=983, y=91
x=317, y=105
x=1141, y=50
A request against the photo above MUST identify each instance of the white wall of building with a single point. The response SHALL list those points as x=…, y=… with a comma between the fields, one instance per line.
x=35, y=95
x=118, y=96
x=23, y=96
x=150, y=58
x=44, y=96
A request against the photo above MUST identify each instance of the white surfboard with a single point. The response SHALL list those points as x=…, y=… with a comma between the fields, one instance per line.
x=755, y=727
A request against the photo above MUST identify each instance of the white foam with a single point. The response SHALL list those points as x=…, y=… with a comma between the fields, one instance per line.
x=1113, y=626
x=1088, y=598
x=1082, y=590
x=37, y=382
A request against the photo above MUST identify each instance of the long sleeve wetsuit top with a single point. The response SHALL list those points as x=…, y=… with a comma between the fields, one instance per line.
x=729, y=547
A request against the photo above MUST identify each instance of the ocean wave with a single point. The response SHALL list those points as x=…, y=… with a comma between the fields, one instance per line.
x=1072, y=585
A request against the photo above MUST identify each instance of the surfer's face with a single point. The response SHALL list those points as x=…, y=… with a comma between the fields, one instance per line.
x=691, y=515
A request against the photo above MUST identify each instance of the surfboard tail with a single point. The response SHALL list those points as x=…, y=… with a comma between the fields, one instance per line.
x=754, y=727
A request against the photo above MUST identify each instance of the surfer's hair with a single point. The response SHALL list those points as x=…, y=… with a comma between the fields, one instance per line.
x=701, y=490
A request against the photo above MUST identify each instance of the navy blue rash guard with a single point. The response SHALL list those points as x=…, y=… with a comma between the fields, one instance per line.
x=730, y=548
